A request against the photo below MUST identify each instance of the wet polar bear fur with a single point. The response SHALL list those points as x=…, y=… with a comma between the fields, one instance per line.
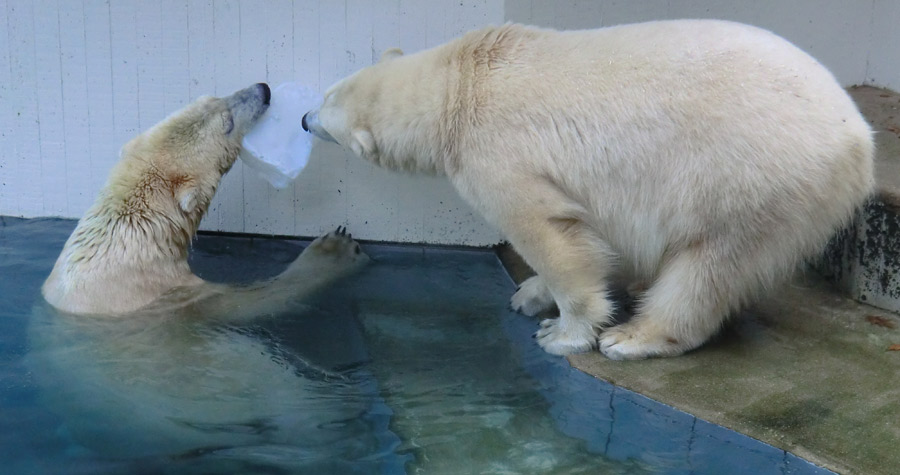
x=130, y=248
x=702, y=158
x=143, y=340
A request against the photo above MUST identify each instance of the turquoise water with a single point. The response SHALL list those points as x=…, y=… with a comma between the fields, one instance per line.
x=415, y=365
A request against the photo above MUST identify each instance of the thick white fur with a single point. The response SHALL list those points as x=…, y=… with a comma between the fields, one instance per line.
x=705, y=158
x=131, y=246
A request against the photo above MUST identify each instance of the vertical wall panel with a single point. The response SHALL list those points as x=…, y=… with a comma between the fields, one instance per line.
x=76, y=115
x=25, y=181
x=266, y=210
x=883, y=58
x=306, y=71
x=7, y=111
x=174, y=54
x=51, y=126
x=201, y=41
x=103, y=141
x=276, y=215
x=124, y=62
x=151, y=87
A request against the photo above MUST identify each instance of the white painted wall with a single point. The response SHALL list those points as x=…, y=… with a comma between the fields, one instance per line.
x=78, y=78
x=884, y=52
x=858, y=40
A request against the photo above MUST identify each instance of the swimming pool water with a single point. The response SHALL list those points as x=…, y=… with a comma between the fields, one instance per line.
x=414, y=365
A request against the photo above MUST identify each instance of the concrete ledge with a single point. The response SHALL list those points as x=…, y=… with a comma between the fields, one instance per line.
x=807, y=370
x=864, y=259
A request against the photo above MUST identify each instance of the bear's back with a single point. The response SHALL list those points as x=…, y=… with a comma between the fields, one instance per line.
x=673, y=59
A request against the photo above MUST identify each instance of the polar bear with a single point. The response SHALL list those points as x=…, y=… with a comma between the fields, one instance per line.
x=130, y=248
x=134, y=336
x=704, y=159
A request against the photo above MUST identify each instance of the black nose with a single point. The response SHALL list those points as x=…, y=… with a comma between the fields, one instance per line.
x=303, y=122
x=267, y=93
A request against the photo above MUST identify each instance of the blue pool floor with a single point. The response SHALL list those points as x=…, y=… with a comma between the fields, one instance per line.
x=414, y=365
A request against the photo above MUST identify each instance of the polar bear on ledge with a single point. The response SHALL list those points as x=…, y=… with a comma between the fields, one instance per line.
x=130, y=248
x=704, y=159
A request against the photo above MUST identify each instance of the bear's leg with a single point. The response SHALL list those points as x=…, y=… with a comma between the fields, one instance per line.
x=572, y=264
x=684, y=307
x=533, y=297
x=326, y=259
x=327, y=254
x=549, y=228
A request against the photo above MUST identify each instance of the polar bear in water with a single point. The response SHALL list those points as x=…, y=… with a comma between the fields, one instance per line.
x=143, y=358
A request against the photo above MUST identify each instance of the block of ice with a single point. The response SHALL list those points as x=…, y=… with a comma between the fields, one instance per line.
x=277, y=147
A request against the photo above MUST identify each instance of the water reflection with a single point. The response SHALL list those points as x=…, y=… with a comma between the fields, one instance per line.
x=463, y=401
x=171, y=389
x=413, y=366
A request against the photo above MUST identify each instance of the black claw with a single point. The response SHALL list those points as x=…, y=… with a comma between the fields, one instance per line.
x=338, y=230
x=534, y=335
x=350, y=236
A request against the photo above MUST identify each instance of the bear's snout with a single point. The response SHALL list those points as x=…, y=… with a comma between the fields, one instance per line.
x=310, y=123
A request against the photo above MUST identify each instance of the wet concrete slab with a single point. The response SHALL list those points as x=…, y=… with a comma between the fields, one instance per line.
x=806, y=370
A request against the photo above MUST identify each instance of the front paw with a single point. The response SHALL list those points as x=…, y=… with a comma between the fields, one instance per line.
x=565, y=337
x=337, y=246
x=532, y=298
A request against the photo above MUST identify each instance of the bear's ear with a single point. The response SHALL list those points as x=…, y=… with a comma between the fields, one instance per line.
x=363, y=143
x=390, y=54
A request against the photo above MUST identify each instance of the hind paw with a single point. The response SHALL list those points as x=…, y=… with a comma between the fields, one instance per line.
x=632, y=341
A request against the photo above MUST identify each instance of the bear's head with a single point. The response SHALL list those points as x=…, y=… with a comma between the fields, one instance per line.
x=131, y=246
x=175, y=167
x=388, y=113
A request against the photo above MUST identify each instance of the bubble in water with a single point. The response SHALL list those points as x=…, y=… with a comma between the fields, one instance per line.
x=277, y=147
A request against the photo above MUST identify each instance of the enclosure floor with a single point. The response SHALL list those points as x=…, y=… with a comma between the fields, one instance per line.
x=806, y=370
